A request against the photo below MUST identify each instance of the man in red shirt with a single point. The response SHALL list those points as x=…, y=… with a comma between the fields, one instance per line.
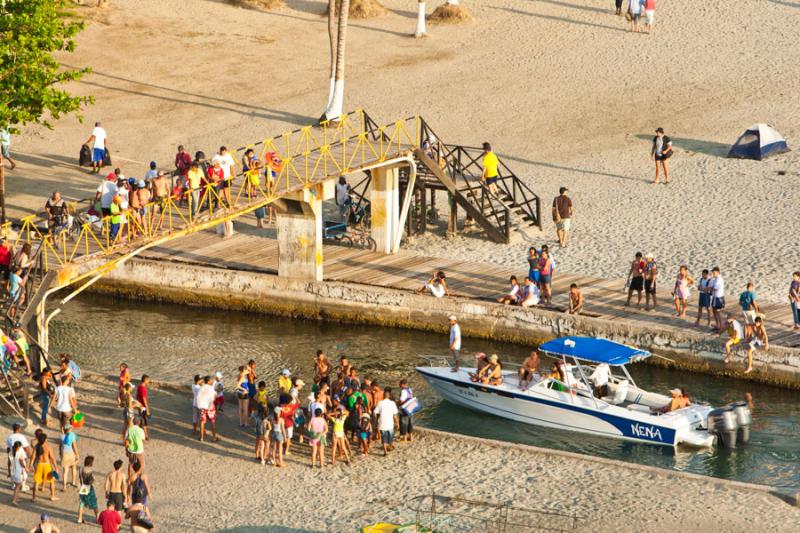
x=183, y=160
x=110, y=519
x=141, y=397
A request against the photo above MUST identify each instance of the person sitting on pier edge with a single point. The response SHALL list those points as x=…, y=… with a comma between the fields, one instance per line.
x=492, y=374
x=529, y=293
x=437, y=285
x=679, y=400
x=513, y=296
x=481, y=362
x=529, y=371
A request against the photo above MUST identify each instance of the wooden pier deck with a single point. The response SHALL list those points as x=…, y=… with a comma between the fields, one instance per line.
x=256, y=250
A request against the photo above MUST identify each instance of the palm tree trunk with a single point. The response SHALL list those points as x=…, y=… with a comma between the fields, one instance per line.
x=420, y=19
x=334, y=111
x=332, y=40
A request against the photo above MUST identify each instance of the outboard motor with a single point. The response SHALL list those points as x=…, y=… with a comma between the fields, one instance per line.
x=743, y=420
x=722, y=421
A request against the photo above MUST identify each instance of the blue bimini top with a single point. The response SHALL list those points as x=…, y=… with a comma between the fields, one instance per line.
x=594, y=350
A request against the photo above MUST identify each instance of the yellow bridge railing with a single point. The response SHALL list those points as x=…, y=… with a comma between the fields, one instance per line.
x=290, y=162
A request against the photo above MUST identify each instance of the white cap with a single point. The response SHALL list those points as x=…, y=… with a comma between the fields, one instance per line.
x=286, y=372
x=218, y=375
x=452, y=317
x=648, y=256
x=675, y=391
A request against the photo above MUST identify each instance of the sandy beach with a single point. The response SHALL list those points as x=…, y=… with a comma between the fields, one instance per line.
x=567, y=97
x=220, y=488
x=564, y=93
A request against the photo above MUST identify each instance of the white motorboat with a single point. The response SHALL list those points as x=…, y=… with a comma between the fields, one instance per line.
x=625, y=411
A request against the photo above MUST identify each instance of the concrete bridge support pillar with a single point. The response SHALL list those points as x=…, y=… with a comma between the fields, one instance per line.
x=385, y=204
x=299, y=228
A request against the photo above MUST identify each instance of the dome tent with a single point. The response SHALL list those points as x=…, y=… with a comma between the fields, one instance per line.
x=758, y=142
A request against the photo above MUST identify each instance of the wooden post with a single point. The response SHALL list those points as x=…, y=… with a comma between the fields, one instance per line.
x=452, y=223
x=423, y=208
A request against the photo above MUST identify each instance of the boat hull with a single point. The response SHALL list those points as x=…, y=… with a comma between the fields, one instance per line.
x=554, y=409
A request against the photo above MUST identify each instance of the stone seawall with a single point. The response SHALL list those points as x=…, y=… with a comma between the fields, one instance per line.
x=142, y=279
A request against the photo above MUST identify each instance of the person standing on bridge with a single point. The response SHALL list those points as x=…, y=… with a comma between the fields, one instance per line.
x=490, y=163
x=194, y=178
x=183, y=162
x=562, y=215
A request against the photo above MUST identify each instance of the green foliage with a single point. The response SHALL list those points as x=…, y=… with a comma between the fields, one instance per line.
x=30, y=77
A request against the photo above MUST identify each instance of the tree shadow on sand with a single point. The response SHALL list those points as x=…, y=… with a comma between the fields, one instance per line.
x=700, y=146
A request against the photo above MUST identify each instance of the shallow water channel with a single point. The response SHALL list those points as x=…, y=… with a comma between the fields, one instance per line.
x=172, y=343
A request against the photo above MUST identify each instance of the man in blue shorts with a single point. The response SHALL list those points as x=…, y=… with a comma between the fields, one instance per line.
x=98, y=141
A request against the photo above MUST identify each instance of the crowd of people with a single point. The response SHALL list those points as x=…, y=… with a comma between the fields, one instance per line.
x=53, y=459
x=341, y=410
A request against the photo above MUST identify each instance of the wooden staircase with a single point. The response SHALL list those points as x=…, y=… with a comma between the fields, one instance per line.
x=458, y=169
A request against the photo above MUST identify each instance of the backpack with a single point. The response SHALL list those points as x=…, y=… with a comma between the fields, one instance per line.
x=75, y=369
x=138, y=490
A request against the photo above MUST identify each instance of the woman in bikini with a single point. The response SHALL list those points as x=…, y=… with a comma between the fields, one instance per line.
x=682, y=291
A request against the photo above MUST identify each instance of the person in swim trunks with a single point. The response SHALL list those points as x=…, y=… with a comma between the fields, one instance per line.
x=115, y=486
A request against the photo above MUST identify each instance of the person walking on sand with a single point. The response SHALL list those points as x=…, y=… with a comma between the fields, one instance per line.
x=681, y=292
x=43, y=464
x=717, y=298
x=650, y=276
x=98, y=140
x=65, y=401
x=17, y=469
x=794, y=298
x=69, y=457
x=618, y=10
x=455, y=341
x=758, y=341
x=143, y=397
x=109, y=520
x=562, y=215
x=660, y=152
x=490, y=163
x=116, y=485
x=340, y=443
x=636, y=279
x=134, y=442
x=87, y=498
x=5, y=148
x=649, y=14
x=635, y=11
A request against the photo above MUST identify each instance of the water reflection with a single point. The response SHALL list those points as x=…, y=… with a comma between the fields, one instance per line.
x=175, y=342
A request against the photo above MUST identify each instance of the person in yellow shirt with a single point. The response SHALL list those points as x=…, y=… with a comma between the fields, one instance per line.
x=285, y=381
x=194, y=180
x=261, y=394
x=490, y=175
